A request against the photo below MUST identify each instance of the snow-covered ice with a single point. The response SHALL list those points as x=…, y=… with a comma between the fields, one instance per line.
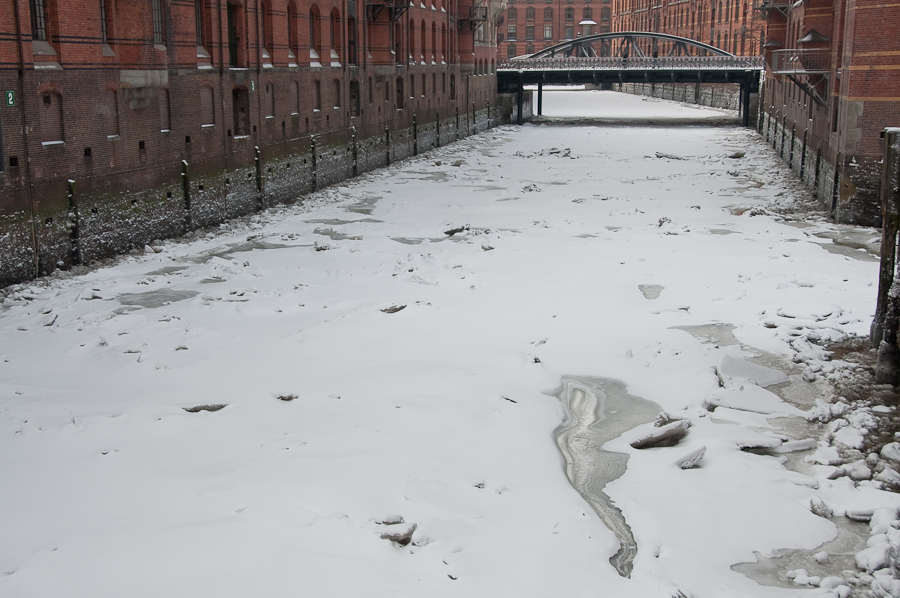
x=340, y=399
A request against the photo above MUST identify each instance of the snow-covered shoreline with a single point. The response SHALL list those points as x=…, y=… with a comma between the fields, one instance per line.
x=374, y=368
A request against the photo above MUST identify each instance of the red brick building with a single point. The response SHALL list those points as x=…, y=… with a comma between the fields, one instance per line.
x=115, y=94
x=832, y=87
x=731, y=25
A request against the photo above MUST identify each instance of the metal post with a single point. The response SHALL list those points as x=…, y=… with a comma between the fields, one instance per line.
x=415, y=136
x=387, y=145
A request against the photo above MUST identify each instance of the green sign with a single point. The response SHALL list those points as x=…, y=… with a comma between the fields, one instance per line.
x=10, y=98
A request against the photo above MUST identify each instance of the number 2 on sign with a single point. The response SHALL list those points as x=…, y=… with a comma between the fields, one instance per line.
x=10, y=98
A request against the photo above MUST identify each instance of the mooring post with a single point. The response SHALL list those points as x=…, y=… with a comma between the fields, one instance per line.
x=437, y=125
x=540, y=98
x=314, y=162
x=355, y=151
x=261, y=201
x=489, y=114
x=75, y=215
x=186, y=190
x=890, y=214
x=415, y=136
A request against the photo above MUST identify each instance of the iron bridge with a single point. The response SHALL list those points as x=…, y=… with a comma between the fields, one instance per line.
x=630, y=57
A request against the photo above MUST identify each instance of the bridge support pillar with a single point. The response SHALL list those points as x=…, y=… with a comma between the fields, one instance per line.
x=520, y=92
x=540, y=98
x=745, y=104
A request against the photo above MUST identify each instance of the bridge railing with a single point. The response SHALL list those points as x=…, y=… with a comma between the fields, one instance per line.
x=636, y=63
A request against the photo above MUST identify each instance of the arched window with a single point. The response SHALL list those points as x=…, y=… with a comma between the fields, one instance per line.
x=411, y=39
x=199, y=22
x=351, y=40
x=443, y=43
x=529, y=13
x=293, y=42
x=452, y=87
x=548, y=14
x=588, y=13
x=265, y=24
x=512, y=14
x=235, y=17
x=604, y=13
x=400, y=96
x=315, y=36
x=336, y=86
x=335, y=37
x=423, y=43
x=570, y=13
x=434, y=46
x=398, y=44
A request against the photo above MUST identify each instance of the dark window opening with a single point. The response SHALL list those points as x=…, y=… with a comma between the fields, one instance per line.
x=87, y=152
x=13, y=161
x=198, y=20
x=104, y=33
x=142, y=145
x=38, y=20
x=158, y=37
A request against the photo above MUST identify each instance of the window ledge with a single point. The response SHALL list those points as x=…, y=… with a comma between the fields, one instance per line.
x=270, y=117
x=52, y=143
x=207, y=126
x=236, y=137
x=113, y=137
x=161, y=47
x=165, y=130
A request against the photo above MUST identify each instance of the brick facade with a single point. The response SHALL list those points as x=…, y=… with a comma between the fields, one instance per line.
x=832, y=87
x=532, y=25
x=115, y=94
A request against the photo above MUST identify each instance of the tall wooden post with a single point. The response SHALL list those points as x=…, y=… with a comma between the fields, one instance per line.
x=887, y=311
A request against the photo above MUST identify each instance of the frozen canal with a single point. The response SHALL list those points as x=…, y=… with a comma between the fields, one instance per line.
x=344, y=399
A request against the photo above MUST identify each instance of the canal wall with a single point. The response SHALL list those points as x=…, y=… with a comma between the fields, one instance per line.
x=93, y=217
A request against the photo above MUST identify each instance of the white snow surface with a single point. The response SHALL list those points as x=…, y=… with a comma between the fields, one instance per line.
x=439, y=415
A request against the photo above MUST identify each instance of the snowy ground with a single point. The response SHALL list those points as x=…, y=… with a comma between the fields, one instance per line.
x=587, y=253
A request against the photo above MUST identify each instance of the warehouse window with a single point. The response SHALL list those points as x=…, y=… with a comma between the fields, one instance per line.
x=158, y=37
x=38, y=20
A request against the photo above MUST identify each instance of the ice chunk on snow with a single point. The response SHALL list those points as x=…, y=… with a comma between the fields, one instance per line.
x=891, y=452
x=691, y=459
x=849, y=437
x=732, y=370
x=875, y=557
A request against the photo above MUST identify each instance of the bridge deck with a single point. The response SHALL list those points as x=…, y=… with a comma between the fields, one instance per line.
x=677, y=69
